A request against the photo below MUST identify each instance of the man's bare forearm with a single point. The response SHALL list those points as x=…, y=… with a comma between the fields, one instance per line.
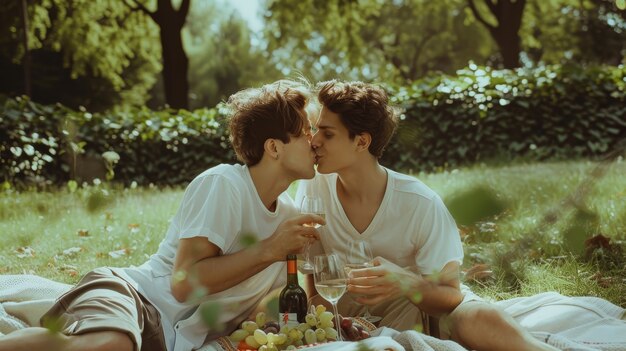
x=434, y=298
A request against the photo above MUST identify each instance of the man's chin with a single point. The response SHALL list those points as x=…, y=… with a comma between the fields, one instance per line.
x=321, y=170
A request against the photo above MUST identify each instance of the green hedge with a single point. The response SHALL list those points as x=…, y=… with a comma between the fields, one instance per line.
x=160, y=147
x=552, y=112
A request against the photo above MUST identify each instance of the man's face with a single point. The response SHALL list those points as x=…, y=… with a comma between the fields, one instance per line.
x=298, y=160
x=332, y=144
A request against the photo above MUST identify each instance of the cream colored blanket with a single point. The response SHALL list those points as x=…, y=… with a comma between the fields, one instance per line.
x=568, y=323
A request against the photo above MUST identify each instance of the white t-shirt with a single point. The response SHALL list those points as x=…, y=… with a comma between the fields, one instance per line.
x=412, y=227
x=222, y=205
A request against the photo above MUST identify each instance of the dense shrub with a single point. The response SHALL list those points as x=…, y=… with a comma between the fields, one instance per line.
x=478, y=115
x=550, y=112
x=41, y=143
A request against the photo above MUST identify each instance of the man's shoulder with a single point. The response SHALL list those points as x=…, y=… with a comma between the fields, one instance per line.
x=224, y=175
x=408, y=185
x=226, y=171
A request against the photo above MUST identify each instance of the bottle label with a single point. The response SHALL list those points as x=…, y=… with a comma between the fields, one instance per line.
x=288, y=319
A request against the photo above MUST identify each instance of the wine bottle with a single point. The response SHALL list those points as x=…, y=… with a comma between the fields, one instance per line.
x=292, y=303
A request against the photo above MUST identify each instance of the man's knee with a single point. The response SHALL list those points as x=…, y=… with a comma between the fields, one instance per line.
x=468, y=316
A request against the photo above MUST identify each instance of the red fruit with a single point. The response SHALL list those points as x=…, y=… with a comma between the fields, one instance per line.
x=353, y=333
x=270, y=330
x=242, y=346
x=346, y=323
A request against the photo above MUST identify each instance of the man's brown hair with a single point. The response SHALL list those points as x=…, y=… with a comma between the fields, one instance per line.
x=273, y=111
x=362, y=108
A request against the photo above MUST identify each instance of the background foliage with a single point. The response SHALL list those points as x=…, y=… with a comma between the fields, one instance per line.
x=478, y=115
x=481, y=114
x=107, y=55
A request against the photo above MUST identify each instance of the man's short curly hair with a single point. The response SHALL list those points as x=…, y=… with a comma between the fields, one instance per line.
x=273, y=111
x=362, y=108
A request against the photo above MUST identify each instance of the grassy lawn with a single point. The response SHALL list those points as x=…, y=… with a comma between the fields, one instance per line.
x=62, y=235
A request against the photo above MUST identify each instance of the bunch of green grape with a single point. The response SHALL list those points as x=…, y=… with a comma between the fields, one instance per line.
x=266, y=336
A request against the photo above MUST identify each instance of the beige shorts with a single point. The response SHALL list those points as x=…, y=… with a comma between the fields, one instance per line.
x=103, y=301
x=399, y=314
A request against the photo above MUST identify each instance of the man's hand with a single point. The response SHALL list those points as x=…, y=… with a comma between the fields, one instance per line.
x=434, y=294
x=384, y=281
x=291, y=236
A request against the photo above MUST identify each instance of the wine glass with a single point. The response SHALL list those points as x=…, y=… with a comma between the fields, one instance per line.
x=360, y=256
x=330, y=282
x=314, y=205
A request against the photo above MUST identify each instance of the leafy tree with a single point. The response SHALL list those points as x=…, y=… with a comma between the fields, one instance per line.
x=503, y=20
x=175, y=62
x=222, y=58
x=81, y=50
x=587, y=31
x=399, y=40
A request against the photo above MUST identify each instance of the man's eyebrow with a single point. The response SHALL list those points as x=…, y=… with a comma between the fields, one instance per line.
x=325, y=127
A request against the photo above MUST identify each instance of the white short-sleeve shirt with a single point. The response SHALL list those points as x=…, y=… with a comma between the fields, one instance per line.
x=412, y=226
x=222, y=205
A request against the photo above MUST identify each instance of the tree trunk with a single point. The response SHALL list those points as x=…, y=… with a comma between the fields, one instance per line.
x=26, y=61
x=505, y=33
x=175, y=65
x=509, y=45
x=175, y=61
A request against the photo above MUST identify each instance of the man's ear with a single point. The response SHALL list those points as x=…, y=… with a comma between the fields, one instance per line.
x=363, y=141
x=272, y=148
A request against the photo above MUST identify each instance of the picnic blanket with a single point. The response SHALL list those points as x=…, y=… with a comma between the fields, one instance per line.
x=568, y=323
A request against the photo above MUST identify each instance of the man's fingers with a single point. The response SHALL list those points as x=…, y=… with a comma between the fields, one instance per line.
x=368, y=280
x=367, y=272
x=310, y=233
x=309, y=218
x=367, y=290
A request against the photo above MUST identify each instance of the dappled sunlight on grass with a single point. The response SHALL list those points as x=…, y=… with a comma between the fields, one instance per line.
x=70, y=240
x=521, y=249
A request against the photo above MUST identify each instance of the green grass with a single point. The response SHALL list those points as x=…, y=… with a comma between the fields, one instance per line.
x=523, y=249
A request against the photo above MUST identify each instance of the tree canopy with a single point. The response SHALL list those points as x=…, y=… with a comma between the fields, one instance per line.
x=117, y=53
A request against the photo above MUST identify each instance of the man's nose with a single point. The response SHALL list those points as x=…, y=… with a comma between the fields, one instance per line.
x=314, y=141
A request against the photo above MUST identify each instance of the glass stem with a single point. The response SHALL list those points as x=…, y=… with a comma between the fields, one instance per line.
x=337, y=322
x=306, y=254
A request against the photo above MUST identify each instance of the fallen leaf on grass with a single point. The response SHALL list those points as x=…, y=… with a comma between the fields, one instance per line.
x=72, y=251
x=72, y=271
x=119, y=253
x=27, y=251
x=603, y=281
x=479, y=272
x=597, y=242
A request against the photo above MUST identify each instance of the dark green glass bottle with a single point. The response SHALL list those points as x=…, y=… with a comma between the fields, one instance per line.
x=292, y=303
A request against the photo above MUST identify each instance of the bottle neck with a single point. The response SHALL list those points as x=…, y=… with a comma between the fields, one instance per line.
x=292, y=272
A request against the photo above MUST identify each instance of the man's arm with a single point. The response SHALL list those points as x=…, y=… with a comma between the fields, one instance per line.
x=200, y=267
x=433, y=295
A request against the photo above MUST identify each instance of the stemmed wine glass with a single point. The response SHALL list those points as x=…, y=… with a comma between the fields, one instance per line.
x=314, y=205
x=330, y=282
x=360, y=256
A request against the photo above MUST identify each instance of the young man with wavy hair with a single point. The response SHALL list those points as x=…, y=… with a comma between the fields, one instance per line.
x=414, y=238
x=203, y=258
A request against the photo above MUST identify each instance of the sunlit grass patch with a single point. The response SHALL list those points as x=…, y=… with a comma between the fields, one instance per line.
x=55, y=235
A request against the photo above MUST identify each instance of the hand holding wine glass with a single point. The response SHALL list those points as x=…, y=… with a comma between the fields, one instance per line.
x=330, y=282
x=314, y=205
x=360, y=256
